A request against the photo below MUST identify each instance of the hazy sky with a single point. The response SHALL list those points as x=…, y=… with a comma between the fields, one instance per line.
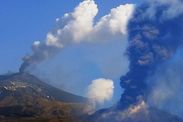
x=23, y=22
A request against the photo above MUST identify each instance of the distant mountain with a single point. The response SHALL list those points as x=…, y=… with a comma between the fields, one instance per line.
x=25, y=97
x=144, y=115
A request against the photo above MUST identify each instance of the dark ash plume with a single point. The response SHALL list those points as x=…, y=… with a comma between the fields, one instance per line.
x=155, y=33
x=23, y=66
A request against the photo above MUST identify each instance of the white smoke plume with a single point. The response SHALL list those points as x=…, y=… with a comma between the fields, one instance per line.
x=99, y=91
x=79, y=26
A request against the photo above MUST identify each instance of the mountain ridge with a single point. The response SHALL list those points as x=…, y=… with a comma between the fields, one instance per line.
x=24, y=96
x=27, y=79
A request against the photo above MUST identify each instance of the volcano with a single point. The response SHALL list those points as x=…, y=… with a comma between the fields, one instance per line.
x=24, y=97
x=133, y=115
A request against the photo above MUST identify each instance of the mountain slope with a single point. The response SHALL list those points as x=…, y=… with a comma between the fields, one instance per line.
x=20, y=81
x=143, y=115
x=25, y=96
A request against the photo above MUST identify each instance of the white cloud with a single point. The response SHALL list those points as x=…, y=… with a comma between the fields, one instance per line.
x=36, y=43
x=116, y=21
x=100, y=90
x=79, y=25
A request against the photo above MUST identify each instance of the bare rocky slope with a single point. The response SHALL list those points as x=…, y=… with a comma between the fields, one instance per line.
x=24, y=97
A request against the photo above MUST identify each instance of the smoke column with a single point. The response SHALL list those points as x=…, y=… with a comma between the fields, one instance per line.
x=155, y=33
x=78, y=26
x=98, y=92
x=40, y=52
x=72, y=27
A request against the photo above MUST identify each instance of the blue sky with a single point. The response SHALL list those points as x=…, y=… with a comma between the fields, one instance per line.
x=23, y=22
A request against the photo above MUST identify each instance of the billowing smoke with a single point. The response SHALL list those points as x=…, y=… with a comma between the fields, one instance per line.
x=79, y=26
x=73, y=28
x=99, y=91
x=167, y=86
x=155, y=34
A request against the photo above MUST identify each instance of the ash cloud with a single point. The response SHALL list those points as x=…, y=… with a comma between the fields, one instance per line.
x=79, y=26
x=155, y=34
x=167, y=85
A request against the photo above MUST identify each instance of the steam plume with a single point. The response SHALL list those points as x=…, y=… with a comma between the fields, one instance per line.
x=155, y=33
x=79, y=26
x=99, y=91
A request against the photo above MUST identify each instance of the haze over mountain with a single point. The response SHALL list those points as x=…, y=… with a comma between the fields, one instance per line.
x=24, y=97
x=142, y=44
